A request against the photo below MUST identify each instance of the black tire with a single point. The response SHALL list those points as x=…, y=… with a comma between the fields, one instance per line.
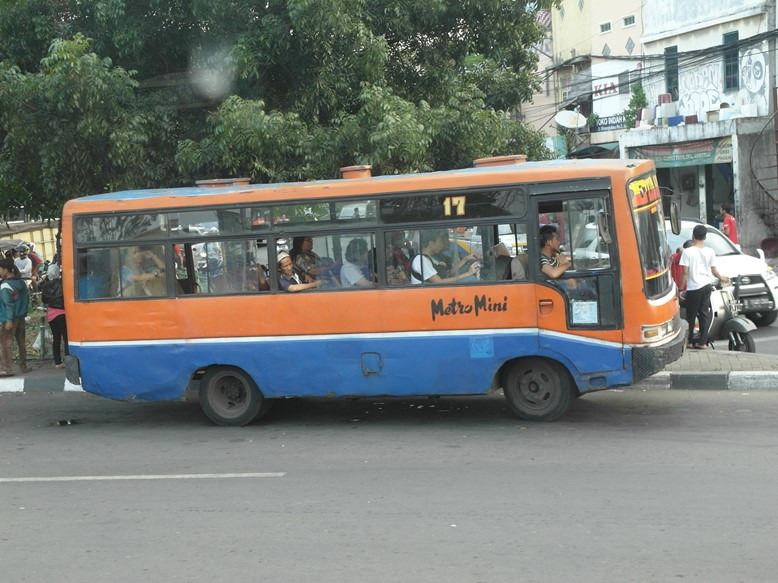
x=741, y=342
x=538, y=390
x=230, y=398
x=762, y=319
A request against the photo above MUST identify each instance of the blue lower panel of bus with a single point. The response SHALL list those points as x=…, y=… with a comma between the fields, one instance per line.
x=401, y=364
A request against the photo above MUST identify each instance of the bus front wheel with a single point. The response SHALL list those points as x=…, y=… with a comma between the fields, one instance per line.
x=537, y=389
x=229, y=397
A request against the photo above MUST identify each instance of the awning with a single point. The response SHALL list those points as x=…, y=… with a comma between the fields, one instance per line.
x=610, y=150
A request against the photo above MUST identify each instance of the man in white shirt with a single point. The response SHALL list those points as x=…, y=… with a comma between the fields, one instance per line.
x=22, y=262
x=698, y=263
x=424, y=267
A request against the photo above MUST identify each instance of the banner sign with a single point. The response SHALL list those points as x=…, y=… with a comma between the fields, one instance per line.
x=700, y=152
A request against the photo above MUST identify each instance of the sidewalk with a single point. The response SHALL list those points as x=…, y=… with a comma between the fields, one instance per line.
x=43, y=378
x=696, y=369
x=718, y=370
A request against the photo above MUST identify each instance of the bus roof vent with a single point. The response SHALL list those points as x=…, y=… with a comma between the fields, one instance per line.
x=220, y=182
x=500, y=160
x=364, y=171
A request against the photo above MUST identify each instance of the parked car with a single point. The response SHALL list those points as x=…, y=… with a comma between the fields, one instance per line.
x=758, y=282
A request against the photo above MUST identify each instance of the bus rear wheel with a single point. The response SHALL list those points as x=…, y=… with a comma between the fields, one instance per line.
x=537, y=389
x=230, y=398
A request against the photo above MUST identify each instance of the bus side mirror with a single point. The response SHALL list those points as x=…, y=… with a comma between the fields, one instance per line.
x=675, y=215
x=602, y=225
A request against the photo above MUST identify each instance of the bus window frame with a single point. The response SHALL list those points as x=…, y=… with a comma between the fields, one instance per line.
x=613, y=270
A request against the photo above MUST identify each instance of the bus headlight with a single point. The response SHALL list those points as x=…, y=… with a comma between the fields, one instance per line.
x=656, y=332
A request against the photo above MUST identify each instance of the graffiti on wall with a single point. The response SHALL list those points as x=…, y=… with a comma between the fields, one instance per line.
x=753, y=78
x=699, y=90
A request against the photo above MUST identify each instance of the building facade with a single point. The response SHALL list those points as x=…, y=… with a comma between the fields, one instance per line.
x=616, y=30
x=709, y=76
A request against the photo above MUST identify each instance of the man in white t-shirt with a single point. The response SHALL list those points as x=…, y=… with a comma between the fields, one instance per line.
x=424, y=267
x=698, y=265
x=22, y=262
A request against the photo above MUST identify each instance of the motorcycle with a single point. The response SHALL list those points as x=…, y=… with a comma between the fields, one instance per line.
x=726, y=323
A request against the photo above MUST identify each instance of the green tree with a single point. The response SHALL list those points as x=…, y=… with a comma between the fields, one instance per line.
x=111, y=94
x=75, y=127
x=637, y=102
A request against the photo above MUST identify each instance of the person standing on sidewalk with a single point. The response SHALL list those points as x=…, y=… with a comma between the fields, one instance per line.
x=729, y=226
x=51, y=294
x=698, y=263
x=14, y=303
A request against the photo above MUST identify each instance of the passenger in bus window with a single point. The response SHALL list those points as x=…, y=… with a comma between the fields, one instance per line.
x=424, y=267
x=355, y=271
x=143, y=273
x=288, y=280
x=552, y=263
x=453, y=259
x=505, y=266
x=398, y=264
x=307, y=262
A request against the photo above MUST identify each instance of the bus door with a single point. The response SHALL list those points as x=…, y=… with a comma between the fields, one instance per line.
x=587, y=296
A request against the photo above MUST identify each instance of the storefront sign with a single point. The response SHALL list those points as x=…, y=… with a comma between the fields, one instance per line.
x=605, y=87
x=609, y=123
x=700, y=152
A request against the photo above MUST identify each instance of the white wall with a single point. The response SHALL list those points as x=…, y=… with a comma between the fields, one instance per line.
x=666, y=18
x=700, y=78
x=607, y=97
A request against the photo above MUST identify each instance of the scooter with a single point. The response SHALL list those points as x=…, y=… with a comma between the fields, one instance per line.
x=726, y=321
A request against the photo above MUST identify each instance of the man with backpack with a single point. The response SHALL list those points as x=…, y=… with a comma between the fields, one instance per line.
x=14, y=303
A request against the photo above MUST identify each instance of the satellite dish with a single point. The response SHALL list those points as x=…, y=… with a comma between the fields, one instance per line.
x=570, y=119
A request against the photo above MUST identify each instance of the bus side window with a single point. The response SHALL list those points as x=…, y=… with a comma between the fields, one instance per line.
x=447, y=254
x=223, y=267
x=399, y=254
x=587, y=247
x=511, y=261
x=98, y=273
x=141, y=272
x=358, y=260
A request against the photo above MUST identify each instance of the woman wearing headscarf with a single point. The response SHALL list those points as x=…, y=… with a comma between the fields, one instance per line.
x=51, y=294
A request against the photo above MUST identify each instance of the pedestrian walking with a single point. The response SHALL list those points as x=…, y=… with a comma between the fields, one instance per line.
x=52, y=296
x=14, y=303
x=729, y=226
x=698, y=263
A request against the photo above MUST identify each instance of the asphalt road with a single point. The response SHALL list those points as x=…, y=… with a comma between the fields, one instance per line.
x=766, y=339
x=630, y=486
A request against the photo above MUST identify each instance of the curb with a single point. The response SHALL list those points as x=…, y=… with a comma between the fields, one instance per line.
x=735, y=380
x=22, y=384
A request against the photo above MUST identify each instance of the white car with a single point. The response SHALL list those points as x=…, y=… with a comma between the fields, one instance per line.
x=758, y=281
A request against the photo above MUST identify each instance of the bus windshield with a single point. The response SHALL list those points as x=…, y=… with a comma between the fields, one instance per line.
x=650, y=229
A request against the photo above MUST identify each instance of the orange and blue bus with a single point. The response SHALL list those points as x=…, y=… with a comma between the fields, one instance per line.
x=176, y=290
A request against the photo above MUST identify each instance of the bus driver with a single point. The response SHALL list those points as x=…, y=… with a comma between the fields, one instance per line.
x=552, y=262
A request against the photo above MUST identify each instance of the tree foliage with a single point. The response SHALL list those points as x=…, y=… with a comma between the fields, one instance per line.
x=112, y=94
x=637, y=102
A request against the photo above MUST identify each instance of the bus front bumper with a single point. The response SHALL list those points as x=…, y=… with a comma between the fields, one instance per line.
x=73, y=369
x=648, y=360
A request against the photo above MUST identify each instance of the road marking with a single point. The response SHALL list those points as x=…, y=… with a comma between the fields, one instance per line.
x=12, y=385
x=145, y=477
